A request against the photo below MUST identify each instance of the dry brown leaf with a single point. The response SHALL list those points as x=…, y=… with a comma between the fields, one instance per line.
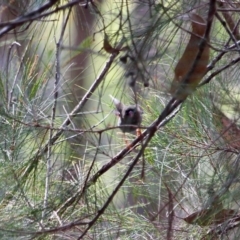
x=179, y=89
x=208, y=217
x=227, y=128
x=108, y=47
x=228, y=15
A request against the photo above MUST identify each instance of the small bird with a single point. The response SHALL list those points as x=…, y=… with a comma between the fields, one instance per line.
x=130, y=117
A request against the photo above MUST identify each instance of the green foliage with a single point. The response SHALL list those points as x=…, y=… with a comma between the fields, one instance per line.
x=67, y=170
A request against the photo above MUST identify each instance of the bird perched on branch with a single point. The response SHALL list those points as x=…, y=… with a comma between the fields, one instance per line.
x=187, y=75
x=130, y=117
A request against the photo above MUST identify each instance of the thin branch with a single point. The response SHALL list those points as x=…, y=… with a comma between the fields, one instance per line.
x=54, y=109
x=26, y=18
x=209, y=78
x=40, y=152
x=203, y=42
x=163, y=118
x=151, y=131
x=211, y=12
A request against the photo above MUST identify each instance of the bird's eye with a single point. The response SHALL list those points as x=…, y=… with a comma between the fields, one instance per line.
x=130, y=112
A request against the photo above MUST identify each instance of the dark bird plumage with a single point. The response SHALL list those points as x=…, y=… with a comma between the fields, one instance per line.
x=128, y=115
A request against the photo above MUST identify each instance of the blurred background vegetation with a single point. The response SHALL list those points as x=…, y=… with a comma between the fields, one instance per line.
x=66, y=170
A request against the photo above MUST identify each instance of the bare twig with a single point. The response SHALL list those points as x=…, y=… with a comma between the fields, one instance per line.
x=54, y=109
x=8, y=26
x=211, y=12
